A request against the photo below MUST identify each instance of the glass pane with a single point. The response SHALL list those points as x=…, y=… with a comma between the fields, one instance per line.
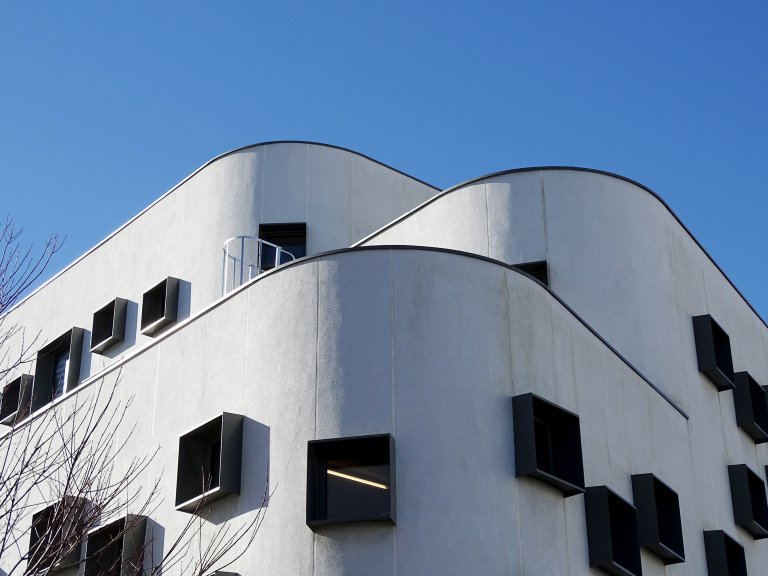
x=60, y=373
x=357, y=489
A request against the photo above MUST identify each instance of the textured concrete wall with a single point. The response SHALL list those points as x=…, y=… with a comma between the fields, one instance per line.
x=342, y=196
x=616, y=255
x=429, y=347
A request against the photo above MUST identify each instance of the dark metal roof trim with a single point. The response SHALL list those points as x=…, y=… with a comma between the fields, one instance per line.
x=208, y=163
x=498, y=263
x=573, y=169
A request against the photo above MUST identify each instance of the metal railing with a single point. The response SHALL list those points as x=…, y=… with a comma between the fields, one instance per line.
x=245, y=257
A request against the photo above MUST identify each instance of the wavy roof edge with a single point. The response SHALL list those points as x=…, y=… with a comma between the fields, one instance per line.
x=120, y=362
x=191, y=175
x=572, y=169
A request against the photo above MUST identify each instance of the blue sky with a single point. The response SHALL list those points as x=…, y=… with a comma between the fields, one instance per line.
x=105, y=105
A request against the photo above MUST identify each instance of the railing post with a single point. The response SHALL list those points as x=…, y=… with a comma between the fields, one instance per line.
x=242, y=258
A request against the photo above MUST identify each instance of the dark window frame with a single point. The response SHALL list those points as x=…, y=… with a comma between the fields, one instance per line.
x=725, y=556
x=70, y=342
x=748, y=497
x=538, y=269
x=380, y=447
x=15, y=403
x=564, y=466
x=160, y=306
x=194, y=484
x=751, y=403
x=278, y=232
x=713, y=352
x=108, y=327
x=658, y=518
x=65, y=513
x=612, y=532
x=123, y=538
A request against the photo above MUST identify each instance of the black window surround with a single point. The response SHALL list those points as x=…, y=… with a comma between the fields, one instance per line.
x=713, y=351
x=658, y=518
x=116, y=549
x=290, y=236
x=751, y=402
x=68, y=344
x=725, y=556
x=612, y=533
x=210, y=460
x=538, y=269
x=14, y=405
x=351, y=480
x=750, y=506
x=548, y=443
x=160, y=306
x=54, y=536
x=108, y=326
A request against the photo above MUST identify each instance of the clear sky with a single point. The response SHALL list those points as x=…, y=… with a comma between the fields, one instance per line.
x=106, y=105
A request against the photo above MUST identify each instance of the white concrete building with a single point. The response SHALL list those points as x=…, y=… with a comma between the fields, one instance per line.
x=478, y=402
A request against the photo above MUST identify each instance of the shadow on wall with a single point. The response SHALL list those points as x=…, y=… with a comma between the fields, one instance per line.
x=185, y=300
x=131, y=329
x=254, y=476
x=85, y=357
x=154, y=544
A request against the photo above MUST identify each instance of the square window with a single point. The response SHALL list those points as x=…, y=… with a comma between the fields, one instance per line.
x=290, y=237
x=713, y=350
x=547, y=444
x=351, y=480
x=750, y=506
x=108, y=325
x=14, y=405
x=612, y=534
x=725, y=556
x=117, y=548
x=54, y=537
x=538, y=270
x=57, y=369
x=160, y=306
x=658, y=518
x=210, y=459
x=751, y=403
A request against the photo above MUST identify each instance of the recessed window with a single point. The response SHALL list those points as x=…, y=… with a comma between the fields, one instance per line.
x=160, y=306
x=290, y=237
x=713, y=350
x=725, y=556
x=108, y=325
x=538, y=270
x=14, y=405
x=658, y=518
x=117, y=548
x=750, y=506
x=351, y=480
x=55, y=535
x=751, y=403
x=57, y=369
x=209, y=462
x=548, y=443
x=612, y=535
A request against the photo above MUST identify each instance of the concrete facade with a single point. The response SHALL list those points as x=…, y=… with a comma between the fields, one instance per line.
x=423, y=329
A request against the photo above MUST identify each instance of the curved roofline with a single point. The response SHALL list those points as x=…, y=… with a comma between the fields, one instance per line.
x=573, y=169
x=118, y=364
x=194, y=173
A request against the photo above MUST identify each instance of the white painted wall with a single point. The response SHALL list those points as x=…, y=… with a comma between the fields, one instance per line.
x=342, y=196
x=616, y=255
x=429, y=347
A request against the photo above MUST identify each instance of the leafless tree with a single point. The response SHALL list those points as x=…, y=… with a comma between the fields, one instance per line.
x=20, y=267
x=66, y=470
x=70, y=462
